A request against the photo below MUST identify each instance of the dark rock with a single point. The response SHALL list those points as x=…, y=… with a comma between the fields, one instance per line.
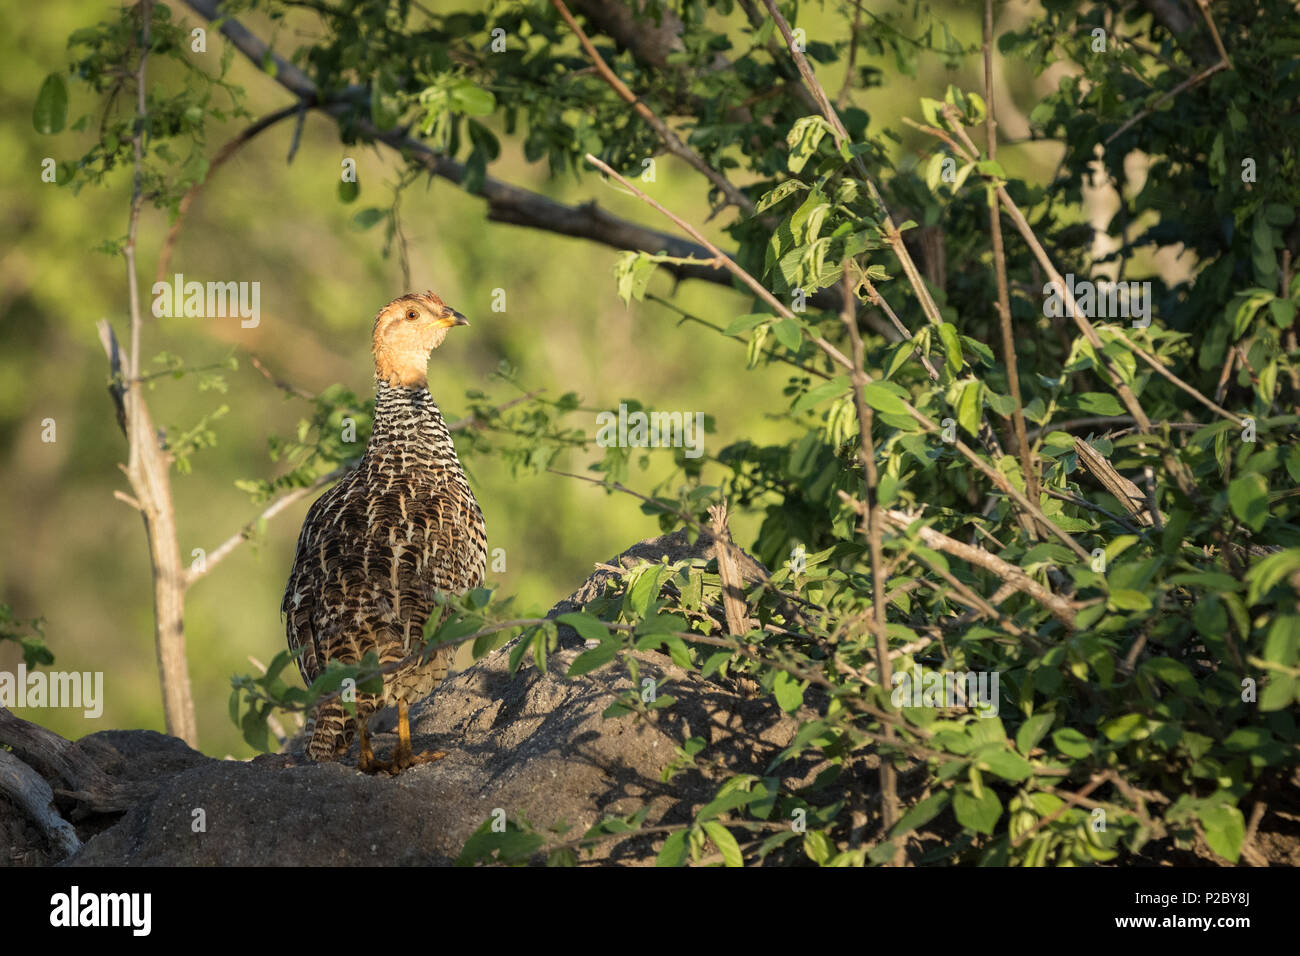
x=534, y=745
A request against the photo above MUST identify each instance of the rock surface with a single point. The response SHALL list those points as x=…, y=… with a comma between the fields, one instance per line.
x=534, y=745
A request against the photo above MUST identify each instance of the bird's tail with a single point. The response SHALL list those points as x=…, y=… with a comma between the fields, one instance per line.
x=332, y=731
x=333, y=727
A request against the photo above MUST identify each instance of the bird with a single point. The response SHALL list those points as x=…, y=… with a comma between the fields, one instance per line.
x=379, y=546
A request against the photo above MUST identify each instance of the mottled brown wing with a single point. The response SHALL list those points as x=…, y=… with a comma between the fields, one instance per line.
x=302, y=597
x=369, y=566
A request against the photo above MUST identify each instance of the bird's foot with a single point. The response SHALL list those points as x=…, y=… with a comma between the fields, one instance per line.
x=403, y=757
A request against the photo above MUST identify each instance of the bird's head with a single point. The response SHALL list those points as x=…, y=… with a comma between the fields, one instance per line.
x=406, y=331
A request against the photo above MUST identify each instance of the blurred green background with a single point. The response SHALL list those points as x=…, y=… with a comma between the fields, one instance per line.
x=77, y=557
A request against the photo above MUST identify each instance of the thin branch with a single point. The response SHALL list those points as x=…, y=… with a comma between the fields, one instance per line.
x=28, y=791
x=1061, y=608
x=725, y=260
x=839, y=358
x=1028, y=466
x=878, y=300
x=618, y=486
x=222, y=551
x=223, y=154
x=843, y=98
x=842, y=141
x=732, y=583
x=669, y=138
x=1085, y=503
x=767, y=353
x=871, y=526
x=147, y=464
x=1120, y=488
x=507, y=203
x=1185, y=85
x=277, y=381
x=1092, y=785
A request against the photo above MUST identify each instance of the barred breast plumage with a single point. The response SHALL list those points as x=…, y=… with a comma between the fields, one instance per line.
x=378, y=546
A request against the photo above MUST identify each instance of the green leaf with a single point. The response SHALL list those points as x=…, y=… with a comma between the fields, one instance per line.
x=1125, y=727
x=774, y=196
x=1248, y=496
x=365, y=218
x=632, y=274
x=720, y=805
x=715, y=661
x=951, y=346
x=746, y=322
x=803, y=140
x=819, y=393
x=1172, y=672
x=1072, y=743
x=1243, y=307
x=50, y=112
x=969, y=405
x=932, y=111
x=645, y=591
x=1270, y=571
x=817, y=847
x=1283, y=312
x=882, y=399
x=1032, y=731
x=1094, y=403
x=788, y=333
x=588, y=626
x=596, y=657
x=1280, y=692
x=1006, y=764
x=978, y=813
x=255, y=730
x=1126, y=599
x=788, y=692
x=922, y=813
x=673, y=852
x=1225, y=830
x=1283, y=643
x=725, y=842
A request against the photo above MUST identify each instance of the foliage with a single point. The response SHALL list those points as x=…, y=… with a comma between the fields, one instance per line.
x=1162, y=699
x=27, y=634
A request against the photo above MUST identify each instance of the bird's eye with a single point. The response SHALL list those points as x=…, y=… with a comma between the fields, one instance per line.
x=411, y=313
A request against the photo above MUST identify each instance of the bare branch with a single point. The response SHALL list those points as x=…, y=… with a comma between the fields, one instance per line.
x=839, y=358
x=222, y=551
x=1028, y=466
x=28, y=791
x=506, y=203
x=223, y=154
x=147, y=464
x=872, y=528
x=972, y=554
x=669, y=138
x=733, y=591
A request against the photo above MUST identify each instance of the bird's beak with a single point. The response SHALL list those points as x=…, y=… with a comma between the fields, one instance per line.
x=450, y=319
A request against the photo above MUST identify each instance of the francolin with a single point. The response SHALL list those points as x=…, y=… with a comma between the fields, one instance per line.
x=376, y=548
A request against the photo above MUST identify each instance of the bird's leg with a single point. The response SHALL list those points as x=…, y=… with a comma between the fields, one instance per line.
x=367, y=763
x=402, y=756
